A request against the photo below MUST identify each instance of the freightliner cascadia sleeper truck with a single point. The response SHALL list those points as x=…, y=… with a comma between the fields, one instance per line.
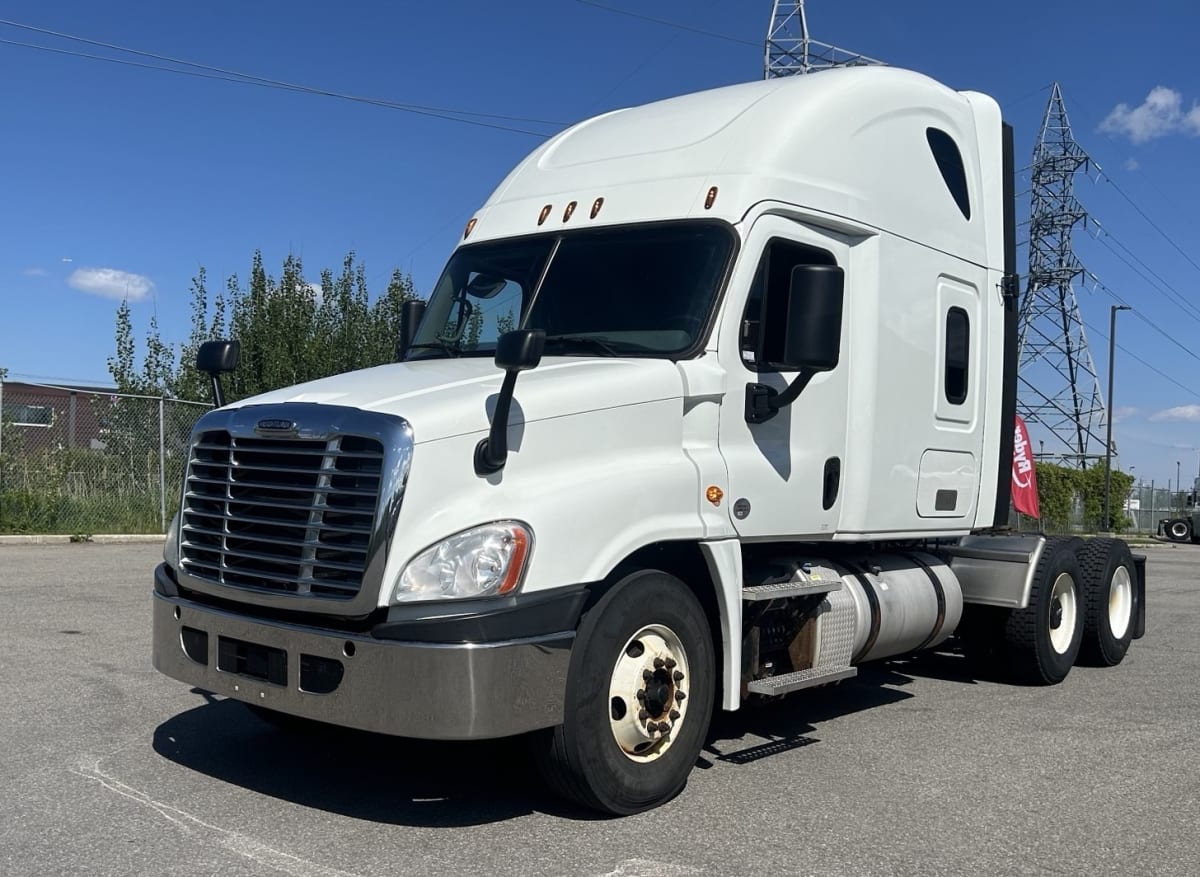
x=713, y=402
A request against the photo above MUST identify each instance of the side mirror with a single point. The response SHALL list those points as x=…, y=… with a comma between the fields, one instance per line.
x=520, y=349
x=218, y=357
x=802, y=330
x=516, y=352
x=215, y=358
x=411, y=313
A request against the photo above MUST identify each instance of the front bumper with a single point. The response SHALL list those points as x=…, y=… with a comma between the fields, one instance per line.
x=444, y=691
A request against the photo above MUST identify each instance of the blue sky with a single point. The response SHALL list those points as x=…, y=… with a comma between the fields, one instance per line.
x=117, y=179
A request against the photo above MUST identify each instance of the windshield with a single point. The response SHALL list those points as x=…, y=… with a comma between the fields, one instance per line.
x=645, y=290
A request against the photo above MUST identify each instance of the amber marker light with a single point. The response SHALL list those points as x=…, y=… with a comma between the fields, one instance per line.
x=570, y=209
x=545, y=212
x=714, y=494
x=516, y=566
x=712, y=196
x=470, y=227
x=596, y=205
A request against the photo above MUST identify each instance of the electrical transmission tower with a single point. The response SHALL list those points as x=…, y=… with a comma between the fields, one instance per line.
x=790, y=50
x=1058, y=389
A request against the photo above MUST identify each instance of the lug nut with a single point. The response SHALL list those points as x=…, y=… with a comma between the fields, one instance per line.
x=643, y=715
x=641, y=695
x=674, y=715
x=678, y=676
x=670, y=662
x=659, y=663
x=647, y=675
x=679, y=696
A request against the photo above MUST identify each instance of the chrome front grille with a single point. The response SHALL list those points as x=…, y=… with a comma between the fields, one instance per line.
x=295, y=515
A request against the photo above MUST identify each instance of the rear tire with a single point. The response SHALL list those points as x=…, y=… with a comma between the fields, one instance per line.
x=605, y=755
x=1110, y=601
x=1179, y=530
x=1042, y=640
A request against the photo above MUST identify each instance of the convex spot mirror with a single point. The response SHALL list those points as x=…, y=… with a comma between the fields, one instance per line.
x=802, y=326
x=485, y=286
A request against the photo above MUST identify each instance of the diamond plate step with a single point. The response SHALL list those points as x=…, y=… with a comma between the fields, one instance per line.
x=776, y=685
x=780, y=590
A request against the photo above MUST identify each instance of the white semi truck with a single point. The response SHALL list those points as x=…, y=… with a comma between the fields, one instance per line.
x=713, y=402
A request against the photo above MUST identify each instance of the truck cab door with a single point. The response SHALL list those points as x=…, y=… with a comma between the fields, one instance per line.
x=784, y=473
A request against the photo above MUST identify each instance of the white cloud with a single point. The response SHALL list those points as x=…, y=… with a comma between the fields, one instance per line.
x=1125, y=413
x=1180, y=412
x=1132, y=164
x=1160, y=114
x=34, y=272
x=111, y=283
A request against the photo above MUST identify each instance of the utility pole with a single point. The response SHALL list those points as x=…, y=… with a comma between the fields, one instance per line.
x=1112, y=348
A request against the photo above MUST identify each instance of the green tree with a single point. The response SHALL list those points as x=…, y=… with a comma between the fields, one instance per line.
x=291, y=331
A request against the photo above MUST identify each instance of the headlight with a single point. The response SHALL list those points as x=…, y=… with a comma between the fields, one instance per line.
x=480, y=562
x=171, y=546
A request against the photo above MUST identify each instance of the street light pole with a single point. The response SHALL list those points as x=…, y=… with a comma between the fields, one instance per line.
x=1112, y=347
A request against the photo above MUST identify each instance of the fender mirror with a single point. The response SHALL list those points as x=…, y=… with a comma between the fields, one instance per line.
x=215, y=358
x=516, y=352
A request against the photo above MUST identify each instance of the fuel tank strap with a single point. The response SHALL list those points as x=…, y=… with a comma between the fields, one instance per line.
x=872, y=599
x=939, y=592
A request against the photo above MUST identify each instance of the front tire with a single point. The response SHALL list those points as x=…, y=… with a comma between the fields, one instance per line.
x=638, y=701
x=1110, y=601
x=1179, y=530
x=1042, y=640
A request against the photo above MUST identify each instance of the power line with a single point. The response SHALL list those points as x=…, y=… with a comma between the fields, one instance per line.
x=1096, y=282
x=1142, y=213
x=1170, y=292
x=1133, y=355
x=667, y=23
x=206, y=71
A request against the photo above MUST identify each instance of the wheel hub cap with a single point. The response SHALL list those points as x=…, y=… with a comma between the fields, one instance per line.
x=647, y=693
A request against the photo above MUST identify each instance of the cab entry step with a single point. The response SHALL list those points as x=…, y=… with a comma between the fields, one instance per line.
x=781, y=590
x=785, y=682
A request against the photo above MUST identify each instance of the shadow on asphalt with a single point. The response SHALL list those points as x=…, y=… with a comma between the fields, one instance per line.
x=401, y=781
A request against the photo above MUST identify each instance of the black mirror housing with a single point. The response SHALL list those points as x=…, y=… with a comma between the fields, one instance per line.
x=218, y=357
x=803, y=330
x=520, y=349
x=411, y=313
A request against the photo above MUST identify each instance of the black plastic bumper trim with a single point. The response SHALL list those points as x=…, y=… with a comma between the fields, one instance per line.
x=508, y=618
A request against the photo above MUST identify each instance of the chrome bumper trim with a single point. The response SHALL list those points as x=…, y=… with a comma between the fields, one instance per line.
x=450, y=691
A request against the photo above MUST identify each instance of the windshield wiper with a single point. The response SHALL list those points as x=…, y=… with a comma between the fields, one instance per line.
x=585, y=341
x=448, y=349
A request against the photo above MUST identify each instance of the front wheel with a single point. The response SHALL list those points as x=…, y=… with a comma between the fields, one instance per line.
x=638, y=700
x=1179, y=530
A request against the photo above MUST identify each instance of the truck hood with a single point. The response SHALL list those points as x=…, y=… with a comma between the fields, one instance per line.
x=441, y=398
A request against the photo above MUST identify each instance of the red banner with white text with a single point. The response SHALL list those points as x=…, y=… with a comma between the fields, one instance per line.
x=1024, y=478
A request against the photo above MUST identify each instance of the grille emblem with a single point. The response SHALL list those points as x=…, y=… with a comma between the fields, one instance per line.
x=275, y=425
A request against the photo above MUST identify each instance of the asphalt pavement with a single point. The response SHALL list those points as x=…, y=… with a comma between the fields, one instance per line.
x=914, y=767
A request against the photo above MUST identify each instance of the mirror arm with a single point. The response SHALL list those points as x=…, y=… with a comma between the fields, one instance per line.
x=218, y=391
x=763, y=402
x=492, y=452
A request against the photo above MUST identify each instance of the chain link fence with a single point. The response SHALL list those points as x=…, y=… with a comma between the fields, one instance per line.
x=86, y=460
